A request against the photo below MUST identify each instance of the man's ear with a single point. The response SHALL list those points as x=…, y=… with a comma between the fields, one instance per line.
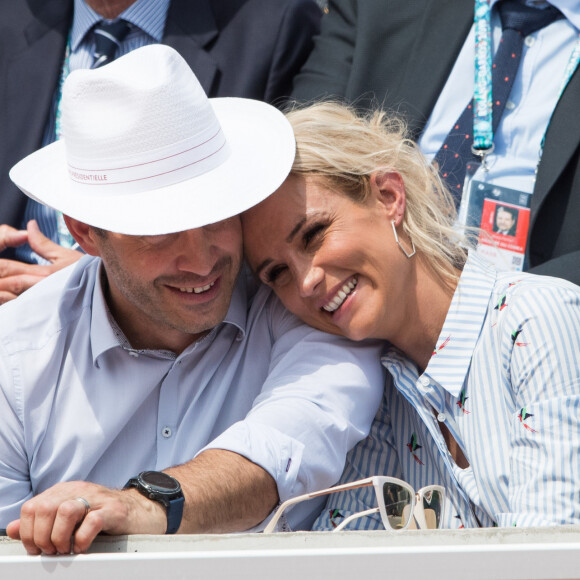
x=83, y=234
x=390, y=189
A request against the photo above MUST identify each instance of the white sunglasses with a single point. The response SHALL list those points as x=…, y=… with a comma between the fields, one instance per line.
x=399, y=505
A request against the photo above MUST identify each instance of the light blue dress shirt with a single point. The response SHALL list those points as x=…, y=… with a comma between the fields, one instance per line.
x=77, y=403
x=533, y=99
x=148, y=20
x=505, y=380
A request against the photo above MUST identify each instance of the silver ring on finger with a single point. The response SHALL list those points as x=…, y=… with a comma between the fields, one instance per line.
x=85, y=503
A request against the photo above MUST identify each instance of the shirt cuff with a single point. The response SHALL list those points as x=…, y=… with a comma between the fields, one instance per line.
x=280, y=455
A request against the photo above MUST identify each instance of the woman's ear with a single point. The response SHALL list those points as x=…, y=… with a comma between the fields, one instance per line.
x=83, y=234
x=390, y=190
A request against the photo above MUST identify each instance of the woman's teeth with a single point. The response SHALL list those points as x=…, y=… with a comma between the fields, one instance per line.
x=341, y=296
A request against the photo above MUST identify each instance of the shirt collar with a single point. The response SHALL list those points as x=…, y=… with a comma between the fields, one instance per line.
x=104, y=338
x=570, y=9
x=147, y=15
x=451, y=359
x=237, y=314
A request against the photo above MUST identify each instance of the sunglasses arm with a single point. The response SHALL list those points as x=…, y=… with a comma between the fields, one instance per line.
x=271, y=527
x=352, y=517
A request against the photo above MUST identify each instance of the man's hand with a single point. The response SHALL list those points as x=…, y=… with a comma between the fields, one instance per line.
x=11, y=238
x=56, y=522
x=224, y=492
x=16, y=277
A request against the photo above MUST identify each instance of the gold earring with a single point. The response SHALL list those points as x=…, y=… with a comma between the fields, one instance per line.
x=400, y=245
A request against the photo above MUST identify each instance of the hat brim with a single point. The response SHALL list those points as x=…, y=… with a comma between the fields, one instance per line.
x=262, y=152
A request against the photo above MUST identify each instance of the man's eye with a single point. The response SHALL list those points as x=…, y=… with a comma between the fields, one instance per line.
x=158, y=240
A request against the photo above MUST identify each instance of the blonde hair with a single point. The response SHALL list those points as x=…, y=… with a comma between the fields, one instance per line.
x=341, y=148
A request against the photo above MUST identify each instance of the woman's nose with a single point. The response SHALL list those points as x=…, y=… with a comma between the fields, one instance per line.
x=309, y=279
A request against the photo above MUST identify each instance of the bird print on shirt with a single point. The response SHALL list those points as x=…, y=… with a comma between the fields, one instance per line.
x=461, y=402
x=523, y=417
x=413, y=447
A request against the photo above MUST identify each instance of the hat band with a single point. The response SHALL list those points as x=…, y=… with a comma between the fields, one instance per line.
x=183, y=160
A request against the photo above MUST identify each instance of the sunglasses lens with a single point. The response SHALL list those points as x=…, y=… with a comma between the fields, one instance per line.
x=397, y=504
x=433, y=508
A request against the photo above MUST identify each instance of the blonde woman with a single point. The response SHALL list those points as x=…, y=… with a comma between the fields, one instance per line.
x=482, y=391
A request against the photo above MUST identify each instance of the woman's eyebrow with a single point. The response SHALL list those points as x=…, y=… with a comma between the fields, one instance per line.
x=289, y=239
x=295, y=230
x=265, y=263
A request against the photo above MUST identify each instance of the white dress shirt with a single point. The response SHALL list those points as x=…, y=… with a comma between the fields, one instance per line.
x=510, y=399
x=77, y=403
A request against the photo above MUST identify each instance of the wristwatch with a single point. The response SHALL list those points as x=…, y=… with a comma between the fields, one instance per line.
x=165, y=489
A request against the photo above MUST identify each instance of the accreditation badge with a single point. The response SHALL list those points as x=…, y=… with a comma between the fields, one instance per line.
x=503, y=217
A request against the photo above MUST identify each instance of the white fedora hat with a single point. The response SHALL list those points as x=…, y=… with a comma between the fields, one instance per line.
x=145, y=152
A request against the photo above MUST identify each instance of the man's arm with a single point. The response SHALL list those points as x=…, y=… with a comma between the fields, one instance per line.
x=224, y=492
x=16, y=277
x=318, y=400
x=294, y=41
x=327, y=71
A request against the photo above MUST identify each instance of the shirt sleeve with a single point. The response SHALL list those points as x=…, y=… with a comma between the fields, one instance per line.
x=15, y=487
x=544, y=331
x=317, y=402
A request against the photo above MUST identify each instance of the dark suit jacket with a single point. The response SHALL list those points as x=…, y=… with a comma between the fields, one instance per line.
x=237, y=48
x=399, y=54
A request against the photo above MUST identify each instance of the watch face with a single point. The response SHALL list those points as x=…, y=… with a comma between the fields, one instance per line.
x=159, y=481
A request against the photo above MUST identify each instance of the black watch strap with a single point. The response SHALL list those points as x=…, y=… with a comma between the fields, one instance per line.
x=174, y=514
x=171, y=499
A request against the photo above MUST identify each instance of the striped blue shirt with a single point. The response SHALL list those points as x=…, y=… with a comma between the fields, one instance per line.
x=505, y=379
x=148, y=20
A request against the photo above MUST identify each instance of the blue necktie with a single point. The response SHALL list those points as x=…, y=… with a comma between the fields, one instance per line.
x=108, y=37
x=518, y=21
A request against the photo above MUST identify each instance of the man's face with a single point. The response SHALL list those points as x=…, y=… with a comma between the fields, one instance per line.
x=504, y=220
x=167, y=291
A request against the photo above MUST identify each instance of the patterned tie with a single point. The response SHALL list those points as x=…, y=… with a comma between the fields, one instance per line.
x=518, y=21
x=108, y=36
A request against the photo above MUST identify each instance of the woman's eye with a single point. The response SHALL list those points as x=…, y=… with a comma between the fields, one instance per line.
x=275, y=274
x=312, y=233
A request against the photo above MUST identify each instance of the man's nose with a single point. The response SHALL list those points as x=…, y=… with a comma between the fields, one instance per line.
x=195, y=252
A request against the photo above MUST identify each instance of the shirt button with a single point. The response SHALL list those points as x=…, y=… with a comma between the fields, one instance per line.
x=133, y=353
x=510, y=105
x=424, y=381
x=441, y=417
x=239, y=336
x=529, y=41
x=166, y=432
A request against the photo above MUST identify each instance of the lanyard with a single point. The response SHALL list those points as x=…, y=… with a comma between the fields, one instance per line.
x=482, y=95
x=65, y=72
x=482, y=103
x=64, y=236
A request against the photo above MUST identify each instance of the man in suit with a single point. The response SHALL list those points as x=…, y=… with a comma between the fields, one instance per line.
x=505, y=221
x=239, y=48
x=411, y=57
